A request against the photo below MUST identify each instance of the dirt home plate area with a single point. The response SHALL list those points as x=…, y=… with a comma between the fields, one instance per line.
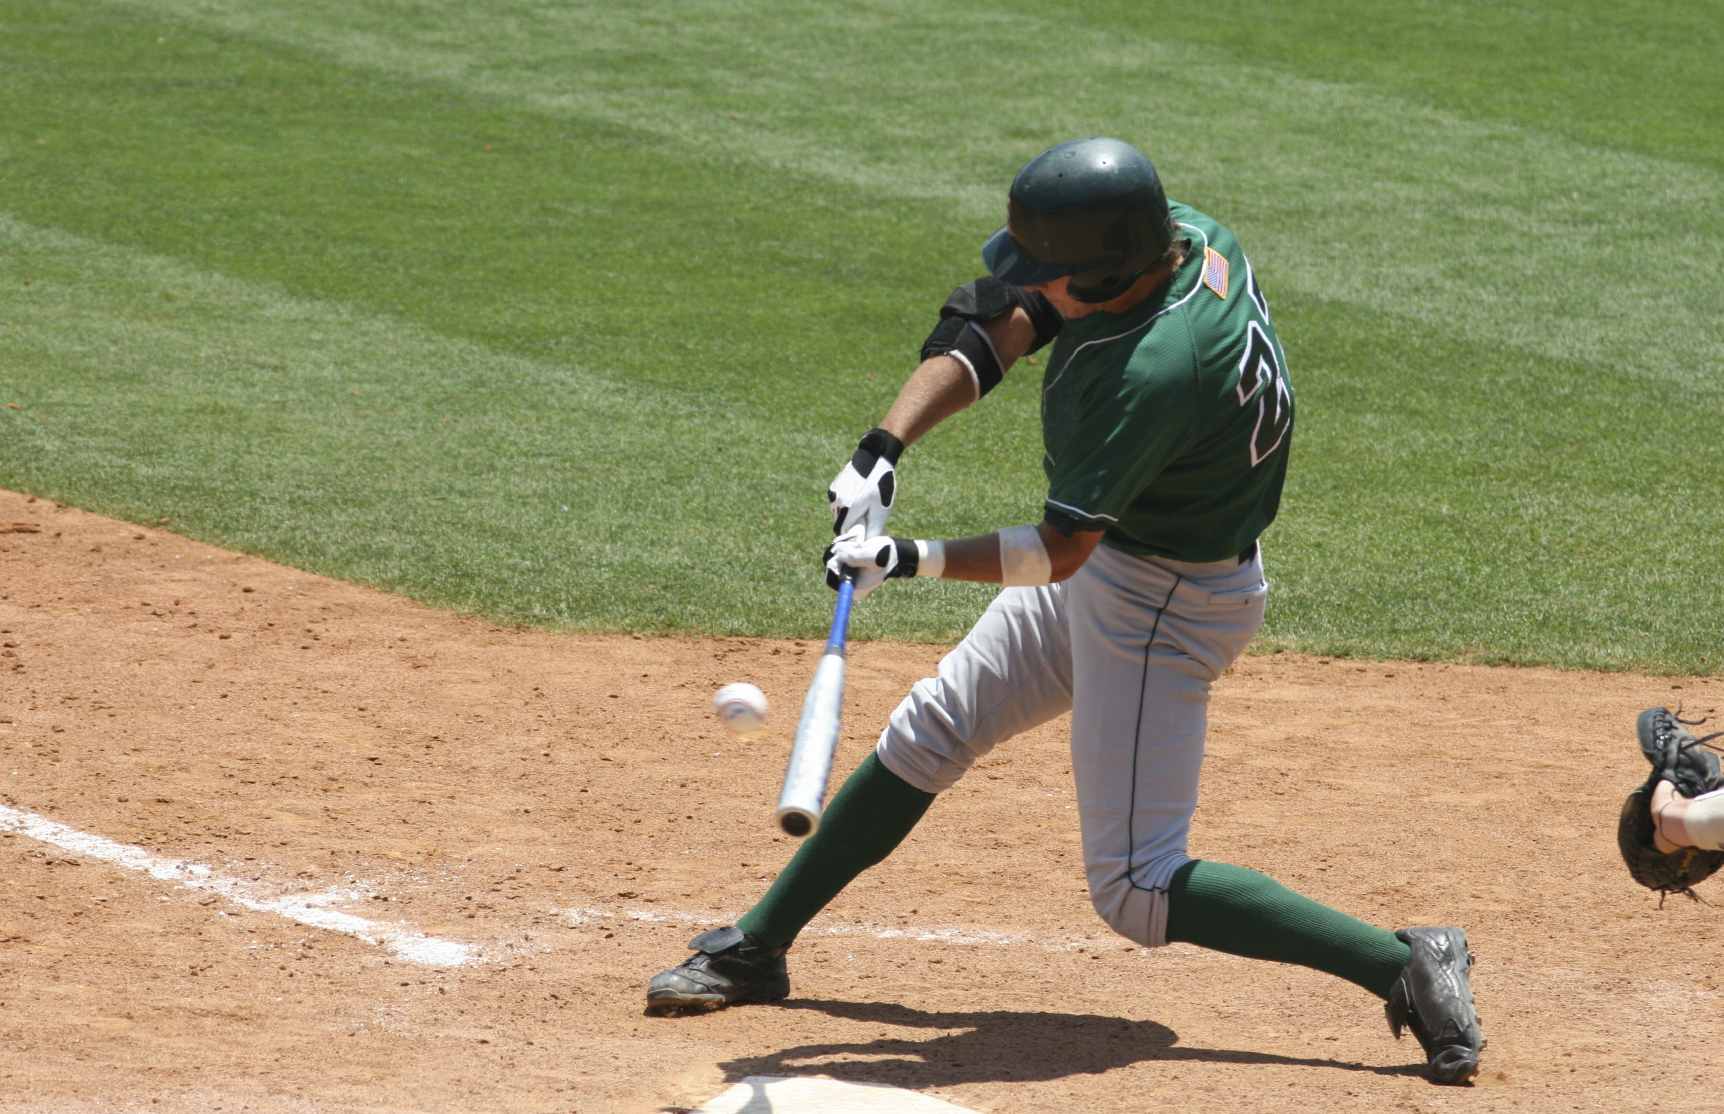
x=275, y=842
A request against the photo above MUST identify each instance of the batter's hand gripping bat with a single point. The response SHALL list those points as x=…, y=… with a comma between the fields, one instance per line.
x=804, y=792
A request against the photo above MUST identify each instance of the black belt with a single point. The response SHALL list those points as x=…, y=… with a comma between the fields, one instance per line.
x=1248, y=555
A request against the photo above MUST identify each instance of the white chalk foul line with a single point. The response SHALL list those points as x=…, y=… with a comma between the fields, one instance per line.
x=306, y=908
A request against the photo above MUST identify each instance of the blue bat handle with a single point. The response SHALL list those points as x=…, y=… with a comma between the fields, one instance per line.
x=841, y=615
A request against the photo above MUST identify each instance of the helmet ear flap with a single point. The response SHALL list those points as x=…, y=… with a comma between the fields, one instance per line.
x=1104, y=284
x=1105, y=289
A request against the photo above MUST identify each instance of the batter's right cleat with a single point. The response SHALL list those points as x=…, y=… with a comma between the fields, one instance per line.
x=731, y=967
x=1676, y=755
x=1431, y=997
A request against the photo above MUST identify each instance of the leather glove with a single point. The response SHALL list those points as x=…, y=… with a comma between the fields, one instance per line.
x=875, y=560
x=862, y=493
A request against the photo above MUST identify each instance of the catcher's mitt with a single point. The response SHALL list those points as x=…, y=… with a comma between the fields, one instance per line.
x=1681, y=759
x=1673, y=873
x=1676, y=755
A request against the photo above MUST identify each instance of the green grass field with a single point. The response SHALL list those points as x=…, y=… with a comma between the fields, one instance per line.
x=566, y=314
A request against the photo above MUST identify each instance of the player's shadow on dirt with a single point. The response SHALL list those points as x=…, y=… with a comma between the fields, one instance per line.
x=999, y=1045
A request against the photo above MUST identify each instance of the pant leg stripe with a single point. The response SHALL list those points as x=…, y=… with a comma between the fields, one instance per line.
x=1137, y=732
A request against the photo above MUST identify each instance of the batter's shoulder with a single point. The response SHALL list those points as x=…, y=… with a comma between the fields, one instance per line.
x=1221, y=266
x=1224, y=314
x=1203, y=230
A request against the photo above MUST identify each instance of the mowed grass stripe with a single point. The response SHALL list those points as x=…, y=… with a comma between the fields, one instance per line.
x=580, y=246
x=1516, y=513
x=368, y=448
x=1631, y=75
x=1498, y=232
x=677, y=343
x=227, y=401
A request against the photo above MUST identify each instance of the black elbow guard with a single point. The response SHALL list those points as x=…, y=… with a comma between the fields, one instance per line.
x=988, y=297
x=965, y=340
x=982, y=301
x=1047, y=320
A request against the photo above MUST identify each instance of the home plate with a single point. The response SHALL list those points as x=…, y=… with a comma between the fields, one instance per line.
x=774, y=1094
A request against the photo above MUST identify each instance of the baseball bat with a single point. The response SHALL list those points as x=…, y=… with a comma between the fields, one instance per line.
x=804, y=792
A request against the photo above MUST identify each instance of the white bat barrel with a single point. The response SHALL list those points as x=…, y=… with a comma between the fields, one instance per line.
x=804, y=794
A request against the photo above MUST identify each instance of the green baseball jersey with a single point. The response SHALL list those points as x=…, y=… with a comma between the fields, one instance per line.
x=1168, y=425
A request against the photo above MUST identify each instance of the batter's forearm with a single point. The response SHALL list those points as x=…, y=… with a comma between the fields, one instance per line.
x=942, y=385
x=937, y=389
x=978, y=558
x=973, y=559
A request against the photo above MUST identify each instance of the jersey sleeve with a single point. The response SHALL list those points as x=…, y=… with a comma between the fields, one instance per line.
x=1118, y=444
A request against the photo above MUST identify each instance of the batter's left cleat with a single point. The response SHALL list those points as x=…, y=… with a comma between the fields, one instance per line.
x=1433, y=998
x=731, y=967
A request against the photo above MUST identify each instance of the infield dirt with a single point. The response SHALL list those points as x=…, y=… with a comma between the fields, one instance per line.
x=567, y=805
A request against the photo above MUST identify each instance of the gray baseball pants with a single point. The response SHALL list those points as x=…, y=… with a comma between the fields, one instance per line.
x=1130, y=646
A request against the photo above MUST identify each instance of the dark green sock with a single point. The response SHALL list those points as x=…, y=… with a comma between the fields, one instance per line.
x=1241, y=912
x=869, y=815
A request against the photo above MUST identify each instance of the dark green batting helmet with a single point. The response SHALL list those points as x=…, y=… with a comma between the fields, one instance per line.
x=1093, y=209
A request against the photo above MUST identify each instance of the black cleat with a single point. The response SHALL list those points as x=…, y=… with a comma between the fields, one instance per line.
x=1676, y=755
x=1431, y=997
x=731, y=967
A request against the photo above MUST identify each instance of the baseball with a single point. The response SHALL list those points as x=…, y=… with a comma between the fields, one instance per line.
x=741, y=707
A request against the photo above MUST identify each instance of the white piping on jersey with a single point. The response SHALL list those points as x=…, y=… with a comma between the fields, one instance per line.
x=1079, y=511
x=1133, y=329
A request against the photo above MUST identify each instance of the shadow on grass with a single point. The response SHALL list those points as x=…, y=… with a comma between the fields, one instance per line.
x=998, y=1045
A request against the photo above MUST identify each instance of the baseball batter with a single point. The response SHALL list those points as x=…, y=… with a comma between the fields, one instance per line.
x=1166, y=419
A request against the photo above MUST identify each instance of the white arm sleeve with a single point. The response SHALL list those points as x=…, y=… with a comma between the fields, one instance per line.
x=1024, y=560
x=930, y=558
x=1705, y=821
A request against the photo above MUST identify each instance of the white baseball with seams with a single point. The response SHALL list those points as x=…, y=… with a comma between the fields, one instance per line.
x=741, y=707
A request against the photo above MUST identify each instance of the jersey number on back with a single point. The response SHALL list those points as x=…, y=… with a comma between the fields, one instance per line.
x=1260, y=380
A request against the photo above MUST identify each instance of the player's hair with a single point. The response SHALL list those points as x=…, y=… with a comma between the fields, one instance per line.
x=1174, y=257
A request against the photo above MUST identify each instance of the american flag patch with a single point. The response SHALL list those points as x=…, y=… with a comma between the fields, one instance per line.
x=1215, y=272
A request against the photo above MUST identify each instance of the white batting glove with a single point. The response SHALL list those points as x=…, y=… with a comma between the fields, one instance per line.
x=875, y=560
x=862, y=494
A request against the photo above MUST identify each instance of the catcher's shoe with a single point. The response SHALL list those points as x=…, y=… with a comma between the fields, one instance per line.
x=1433, y=999
x=730, y=966
x=1676, y=755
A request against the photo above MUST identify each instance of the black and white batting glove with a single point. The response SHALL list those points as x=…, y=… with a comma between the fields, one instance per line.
x=862, y=493
x=875, y=560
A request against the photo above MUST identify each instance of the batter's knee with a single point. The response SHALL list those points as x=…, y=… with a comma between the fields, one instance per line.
x=923, y=744
x=1138, y=915
x=1137, y=912
x=1012, y=673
